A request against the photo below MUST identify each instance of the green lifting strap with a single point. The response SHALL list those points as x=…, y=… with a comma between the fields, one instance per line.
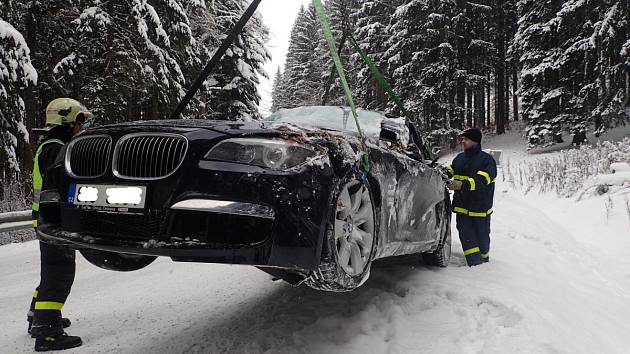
x=331, y=77
x=323, y=19
x=387, y=87
x=379, y=76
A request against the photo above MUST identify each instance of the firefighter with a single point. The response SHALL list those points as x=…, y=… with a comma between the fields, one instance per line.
x=473, y=174
x=64, y=119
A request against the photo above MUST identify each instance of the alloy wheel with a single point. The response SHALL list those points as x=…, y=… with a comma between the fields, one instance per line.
x=354, y=228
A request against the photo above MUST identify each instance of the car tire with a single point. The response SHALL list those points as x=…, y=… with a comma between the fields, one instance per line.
x=442, y=255
x=121, y=262
x=349, y=239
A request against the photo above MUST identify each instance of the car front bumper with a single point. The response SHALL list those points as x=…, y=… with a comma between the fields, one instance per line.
x=214, y=213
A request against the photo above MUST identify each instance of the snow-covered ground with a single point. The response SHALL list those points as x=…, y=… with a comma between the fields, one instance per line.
x=558, y=282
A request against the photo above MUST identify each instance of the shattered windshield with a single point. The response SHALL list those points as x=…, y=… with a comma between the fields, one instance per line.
x=330, y=117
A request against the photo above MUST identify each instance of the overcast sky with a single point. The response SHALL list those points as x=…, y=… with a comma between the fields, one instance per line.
x=279, y=16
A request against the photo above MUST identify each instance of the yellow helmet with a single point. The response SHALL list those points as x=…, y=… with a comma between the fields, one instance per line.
x=65, y=111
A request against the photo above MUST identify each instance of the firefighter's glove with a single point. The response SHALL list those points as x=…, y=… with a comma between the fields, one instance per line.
x=445, y=173
x=454, y=185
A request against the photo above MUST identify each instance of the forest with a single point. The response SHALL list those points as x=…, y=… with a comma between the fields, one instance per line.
x=124, y=60
x=562, y=68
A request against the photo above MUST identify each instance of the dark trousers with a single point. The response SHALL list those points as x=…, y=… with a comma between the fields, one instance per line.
x=474, y=234
x=57, y=275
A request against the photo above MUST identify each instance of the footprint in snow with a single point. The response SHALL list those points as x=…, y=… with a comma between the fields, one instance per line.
x=497, y=313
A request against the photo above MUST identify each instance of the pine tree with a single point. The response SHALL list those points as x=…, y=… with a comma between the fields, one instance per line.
x=499, y=66
x=277, y=94
x=232, y=90
x=426, y=61
x=372, y=33
x=127, y=58
x=537, y=46
x=16, y=74
x=613, y=79
x=573, y=74
x=342, y=23
x=512, y=59
x=302, y=77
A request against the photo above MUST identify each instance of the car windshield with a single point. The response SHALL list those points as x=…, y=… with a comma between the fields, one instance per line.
x=330, y=117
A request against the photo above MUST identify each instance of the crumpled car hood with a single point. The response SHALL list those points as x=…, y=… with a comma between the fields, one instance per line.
x=227, y=127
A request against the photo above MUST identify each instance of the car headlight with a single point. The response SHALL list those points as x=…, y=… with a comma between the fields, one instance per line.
x=267, y=153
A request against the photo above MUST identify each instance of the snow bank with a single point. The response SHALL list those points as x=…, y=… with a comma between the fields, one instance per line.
x=615, y=179
x=619, y=167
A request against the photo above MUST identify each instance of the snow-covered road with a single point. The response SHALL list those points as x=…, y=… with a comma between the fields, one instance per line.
x=558, y=282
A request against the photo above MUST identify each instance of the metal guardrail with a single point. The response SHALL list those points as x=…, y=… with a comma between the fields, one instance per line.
x=15, y=221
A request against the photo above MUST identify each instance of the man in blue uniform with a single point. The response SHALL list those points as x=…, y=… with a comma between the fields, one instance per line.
x=473, y=174
x=64, y=119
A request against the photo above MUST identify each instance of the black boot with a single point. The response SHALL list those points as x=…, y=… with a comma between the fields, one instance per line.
x=65, y=323
x=60, y=341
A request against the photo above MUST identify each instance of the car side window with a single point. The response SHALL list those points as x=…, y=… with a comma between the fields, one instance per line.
x=416, y=147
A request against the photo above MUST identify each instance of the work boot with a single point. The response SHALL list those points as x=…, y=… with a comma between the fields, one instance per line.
x=65, y=322
x=60, y=341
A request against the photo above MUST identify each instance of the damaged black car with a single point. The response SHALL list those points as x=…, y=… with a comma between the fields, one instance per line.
x=291, y=195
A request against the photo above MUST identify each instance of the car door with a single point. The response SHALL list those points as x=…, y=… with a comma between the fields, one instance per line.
x=420, y=188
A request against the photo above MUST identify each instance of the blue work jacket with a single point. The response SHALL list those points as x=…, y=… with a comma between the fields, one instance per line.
x=478, y=172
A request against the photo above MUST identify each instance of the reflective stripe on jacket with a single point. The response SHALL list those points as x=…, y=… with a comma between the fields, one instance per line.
x=478, y=172
x=38, y=180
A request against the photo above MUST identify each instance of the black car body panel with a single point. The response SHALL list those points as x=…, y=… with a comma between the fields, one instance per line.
x=297, y=201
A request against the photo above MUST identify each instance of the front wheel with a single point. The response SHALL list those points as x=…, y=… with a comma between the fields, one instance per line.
x=348, y=247
x=121, y=262
x=442, y=255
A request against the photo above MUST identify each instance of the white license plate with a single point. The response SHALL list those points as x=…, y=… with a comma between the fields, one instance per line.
x=107, y=198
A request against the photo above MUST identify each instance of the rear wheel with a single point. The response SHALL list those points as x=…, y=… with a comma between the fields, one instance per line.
x=121, y=262
x=442, y=255
x=350, y=236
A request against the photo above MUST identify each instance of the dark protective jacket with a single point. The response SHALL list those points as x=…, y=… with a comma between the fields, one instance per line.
x=478, y=171
x=45, y=156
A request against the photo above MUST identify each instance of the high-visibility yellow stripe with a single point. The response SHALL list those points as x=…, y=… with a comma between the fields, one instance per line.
x=450, y=169
x=37, y=175
x=48, y=305
x=472, y=213
x=466, y=178
x=485, y=174
x=460, y=210
x=471, y=251
x=35, y=294
x=485, y=255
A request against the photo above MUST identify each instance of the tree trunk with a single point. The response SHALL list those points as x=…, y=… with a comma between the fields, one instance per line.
x=480, y=112
x=469, y=107
x=500, y=69
x=488, y=101
x=461, y=104
x=154, y=104
x=450, y=116
x=31, y=104
x=515, y=106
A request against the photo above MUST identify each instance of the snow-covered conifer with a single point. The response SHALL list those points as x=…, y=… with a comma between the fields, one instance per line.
x=372, y=33
x=231, y=90
x=16, y=74
x=302, y=74
x=277, y=93
x=573, y=75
